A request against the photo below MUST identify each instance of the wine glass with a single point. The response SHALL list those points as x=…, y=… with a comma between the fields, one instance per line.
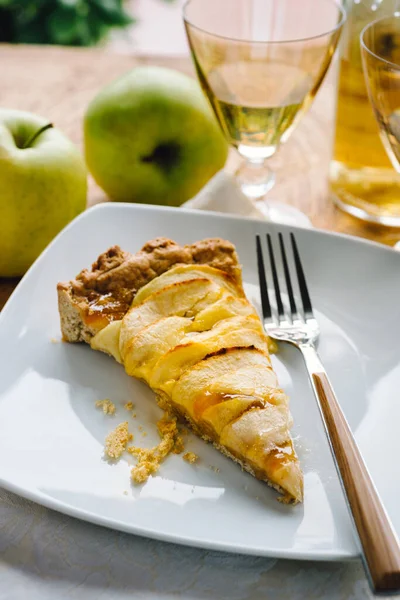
x=380, y=51
x=260, y=63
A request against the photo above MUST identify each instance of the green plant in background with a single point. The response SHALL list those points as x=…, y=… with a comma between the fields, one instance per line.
x=64, y=22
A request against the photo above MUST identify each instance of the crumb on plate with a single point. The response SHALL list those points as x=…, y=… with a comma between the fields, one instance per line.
x=129, y=406
x=149, y=459
x=190, y=457
x=107, y=406
x=179, y=445
x=117, y=440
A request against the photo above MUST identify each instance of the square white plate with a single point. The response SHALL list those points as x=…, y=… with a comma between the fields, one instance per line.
x=51, y=434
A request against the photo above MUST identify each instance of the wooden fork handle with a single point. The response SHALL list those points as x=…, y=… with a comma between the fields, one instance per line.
x=379, y=542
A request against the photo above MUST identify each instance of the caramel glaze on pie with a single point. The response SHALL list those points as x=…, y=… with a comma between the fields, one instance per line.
x=106, y=291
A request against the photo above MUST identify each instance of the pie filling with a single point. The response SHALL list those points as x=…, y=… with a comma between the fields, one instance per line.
x=193, y=337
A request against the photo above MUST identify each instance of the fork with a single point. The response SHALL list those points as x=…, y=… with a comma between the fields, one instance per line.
x=379, y=542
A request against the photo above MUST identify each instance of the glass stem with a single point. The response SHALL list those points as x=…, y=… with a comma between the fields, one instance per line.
x=255, y=178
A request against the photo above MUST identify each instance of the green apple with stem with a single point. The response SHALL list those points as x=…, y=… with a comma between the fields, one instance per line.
x=151, y=136
x=43, y=185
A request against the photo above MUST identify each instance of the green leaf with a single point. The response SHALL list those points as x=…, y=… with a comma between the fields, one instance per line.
x=111, y=12
x=62, y=25
x=34, y=33
x=25, y=16
x=7, y=26
x=66, y=22
x=98, y=29
x=68, y=3
x=84, y=36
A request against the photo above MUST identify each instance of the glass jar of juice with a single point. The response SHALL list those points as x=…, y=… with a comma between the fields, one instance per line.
x=362, y=179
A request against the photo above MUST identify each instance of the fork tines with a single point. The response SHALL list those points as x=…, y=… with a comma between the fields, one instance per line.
x=265, y=301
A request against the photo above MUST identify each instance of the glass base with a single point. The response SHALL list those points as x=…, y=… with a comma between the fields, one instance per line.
x=256, y=180
x=359, y=213
x=371, y=194
x=277, y=212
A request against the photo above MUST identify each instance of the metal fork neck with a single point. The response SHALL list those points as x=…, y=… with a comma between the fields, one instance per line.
x=311, y=357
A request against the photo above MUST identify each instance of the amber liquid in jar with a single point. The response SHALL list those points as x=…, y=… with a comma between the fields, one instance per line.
x=363, y=181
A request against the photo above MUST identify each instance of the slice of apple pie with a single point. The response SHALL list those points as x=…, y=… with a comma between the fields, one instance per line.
x=177, y=317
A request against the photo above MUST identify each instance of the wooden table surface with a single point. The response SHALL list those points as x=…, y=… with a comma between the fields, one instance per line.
x=58, y=83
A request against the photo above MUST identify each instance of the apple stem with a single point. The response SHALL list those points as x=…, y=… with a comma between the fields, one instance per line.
x=36, y=135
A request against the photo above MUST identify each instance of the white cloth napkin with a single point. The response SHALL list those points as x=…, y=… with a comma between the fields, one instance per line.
x=222, y=194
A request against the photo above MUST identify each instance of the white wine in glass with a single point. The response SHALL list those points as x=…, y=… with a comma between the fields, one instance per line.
x=239, y=92
x=260, y=63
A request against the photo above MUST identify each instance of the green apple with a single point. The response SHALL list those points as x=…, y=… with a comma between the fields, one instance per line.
x=152, y=137
x=43, y=184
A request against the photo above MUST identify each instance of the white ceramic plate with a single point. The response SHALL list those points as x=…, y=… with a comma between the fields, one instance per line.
x=51, y=435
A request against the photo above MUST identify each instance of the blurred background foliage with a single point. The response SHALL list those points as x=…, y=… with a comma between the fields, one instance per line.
x=63, y=22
